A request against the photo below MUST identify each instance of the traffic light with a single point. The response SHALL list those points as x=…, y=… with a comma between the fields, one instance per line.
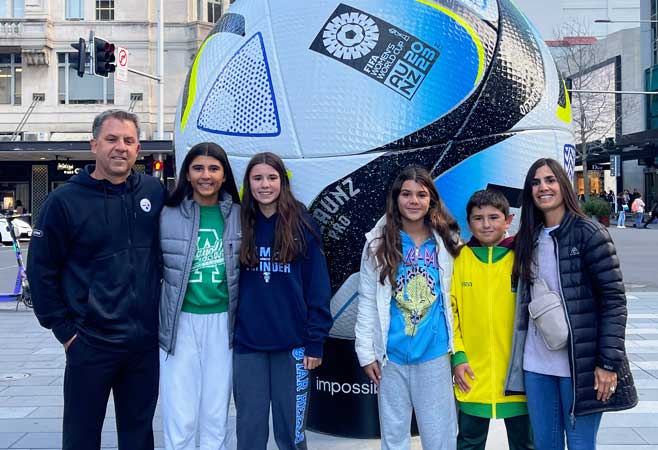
x=158, y=166
x=104, y=58
x=79, y=59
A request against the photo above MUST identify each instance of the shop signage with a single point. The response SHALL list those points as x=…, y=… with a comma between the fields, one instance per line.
x=67, y=168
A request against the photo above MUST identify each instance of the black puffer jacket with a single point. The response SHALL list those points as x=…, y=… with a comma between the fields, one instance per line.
x=594, y=295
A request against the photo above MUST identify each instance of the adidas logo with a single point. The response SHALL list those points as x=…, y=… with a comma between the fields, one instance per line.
x=574, y=252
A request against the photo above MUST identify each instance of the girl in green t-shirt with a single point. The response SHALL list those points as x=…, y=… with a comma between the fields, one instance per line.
x=200, y=239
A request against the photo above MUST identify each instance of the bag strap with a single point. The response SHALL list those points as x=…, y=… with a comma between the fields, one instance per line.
x=538, y=283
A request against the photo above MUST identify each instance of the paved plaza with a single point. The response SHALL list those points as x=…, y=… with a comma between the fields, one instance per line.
x=32, y=367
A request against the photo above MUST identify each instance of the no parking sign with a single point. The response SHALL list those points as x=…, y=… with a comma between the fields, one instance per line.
x=122, y=64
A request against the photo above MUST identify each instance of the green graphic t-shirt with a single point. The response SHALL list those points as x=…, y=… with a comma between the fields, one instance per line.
x=207, y=291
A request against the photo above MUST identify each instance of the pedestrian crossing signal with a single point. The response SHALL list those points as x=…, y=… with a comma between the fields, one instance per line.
x=158, y=167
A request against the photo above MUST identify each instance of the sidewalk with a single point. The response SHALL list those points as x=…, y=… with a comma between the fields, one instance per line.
x=32, y=365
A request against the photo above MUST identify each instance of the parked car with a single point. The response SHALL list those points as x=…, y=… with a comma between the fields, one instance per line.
x=21, y=228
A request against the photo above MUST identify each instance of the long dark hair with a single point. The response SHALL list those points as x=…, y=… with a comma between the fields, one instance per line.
x=184, y=187
x=389, y=252
x=291, y=224
x=532, y=217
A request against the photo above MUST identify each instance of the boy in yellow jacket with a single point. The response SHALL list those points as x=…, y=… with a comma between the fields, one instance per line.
x=483, y=303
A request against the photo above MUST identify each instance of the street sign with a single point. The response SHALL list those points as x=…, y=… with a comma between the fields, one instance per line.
x=122, y=64
x=615, y=165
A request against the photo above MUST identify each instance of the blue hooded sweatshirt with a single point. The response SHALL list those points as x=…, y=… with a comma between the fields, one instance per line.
x=283, y=305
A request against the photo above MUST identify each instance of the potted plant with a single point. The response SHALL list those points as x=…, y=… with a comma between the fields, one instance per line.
x=598, y=209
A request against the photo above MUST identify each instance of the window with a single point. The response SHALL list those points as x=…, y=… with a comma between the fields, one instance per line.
x=87, y=90
x=214, y=10
x=10, y=78
x=74, y=10
x=12, y=8
x=104, y=9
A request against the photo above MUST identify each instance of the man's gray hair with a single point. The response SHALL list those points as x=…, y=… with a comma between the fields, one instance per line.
x=118, y=114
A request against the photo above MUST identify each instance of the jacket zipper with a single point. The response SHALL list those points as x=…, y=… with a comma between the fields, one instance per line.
x=131, y=256
x=572, y=358
x=491, y=335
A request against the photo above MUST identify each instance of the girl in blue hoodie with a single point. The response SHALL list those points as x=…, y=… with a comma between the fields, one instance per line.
x=283, y=311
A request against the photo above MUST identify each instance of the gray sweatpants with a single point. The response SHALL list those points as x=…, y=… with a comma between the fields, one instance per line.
x=425, y=388
x=279, y=378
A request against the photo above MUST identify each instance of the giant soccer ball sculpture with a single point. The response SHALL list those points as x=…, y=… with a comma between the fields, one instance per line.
x=350, y=93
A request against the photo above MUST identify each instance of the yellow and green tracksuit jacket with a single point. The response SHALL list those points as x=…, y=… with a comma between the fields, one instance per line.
x=483, y=305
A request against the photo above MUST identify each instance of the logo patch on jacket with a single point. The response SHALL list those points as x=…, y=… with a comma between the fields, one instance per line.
x=145, y=204
x=37, y=233
x=574, y=252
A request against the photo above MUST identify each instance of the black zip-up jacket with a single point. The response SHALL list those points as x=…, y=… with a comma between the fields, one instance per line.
x=94, y=264
x=595, y=300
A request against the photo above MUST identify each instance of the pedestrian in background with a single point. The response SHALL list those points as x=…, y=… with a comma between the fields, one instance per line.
x=283, y=314
x=634, y=195
x=404, y=334
x=638, y=209
x=94, y=273
x=200, y=239
x=622, y=207
x=654, y=213
x=567, y=261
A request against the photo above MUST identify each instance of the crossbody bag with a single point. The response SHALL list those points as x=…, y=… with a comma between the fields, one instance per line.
x=547, y=310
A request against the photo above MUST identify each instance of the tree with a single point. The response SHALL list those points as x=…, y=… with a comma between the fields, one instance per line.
x=583, y=60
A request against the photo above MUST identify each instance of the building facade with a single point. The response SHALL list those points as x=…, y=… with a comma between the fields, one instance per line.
x=626, y=50
x=42, y=100
x=549, y=17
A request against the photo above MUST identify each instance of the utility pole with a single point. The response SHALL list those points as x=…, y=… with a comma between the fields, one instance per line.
x=161, y=70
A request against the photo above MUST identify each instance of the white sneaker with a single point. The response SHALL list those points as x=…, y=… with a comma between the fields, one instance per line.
x=618, y=226
x=623, y=226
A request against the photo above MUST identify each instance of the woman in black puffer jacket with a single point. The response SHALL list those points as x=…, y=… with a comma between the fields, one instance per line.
x=570, y=386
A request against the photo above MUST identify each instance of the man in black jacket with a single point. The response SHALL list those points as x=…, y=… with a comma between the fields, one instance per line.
x=94, y=272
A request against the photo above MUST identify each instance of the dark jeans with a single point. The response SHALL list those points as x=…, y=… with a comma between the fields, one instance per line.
x=549, y=405
x=473, y=432
x=90, y=375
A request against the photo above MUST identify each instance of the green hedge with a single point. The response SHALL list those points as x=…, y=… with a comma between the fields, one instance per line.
x=597, y=207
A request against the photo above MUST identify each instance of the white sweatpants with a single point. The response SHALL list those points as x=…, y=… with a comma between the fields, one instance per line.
x=196, y=383
x=425, y=388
